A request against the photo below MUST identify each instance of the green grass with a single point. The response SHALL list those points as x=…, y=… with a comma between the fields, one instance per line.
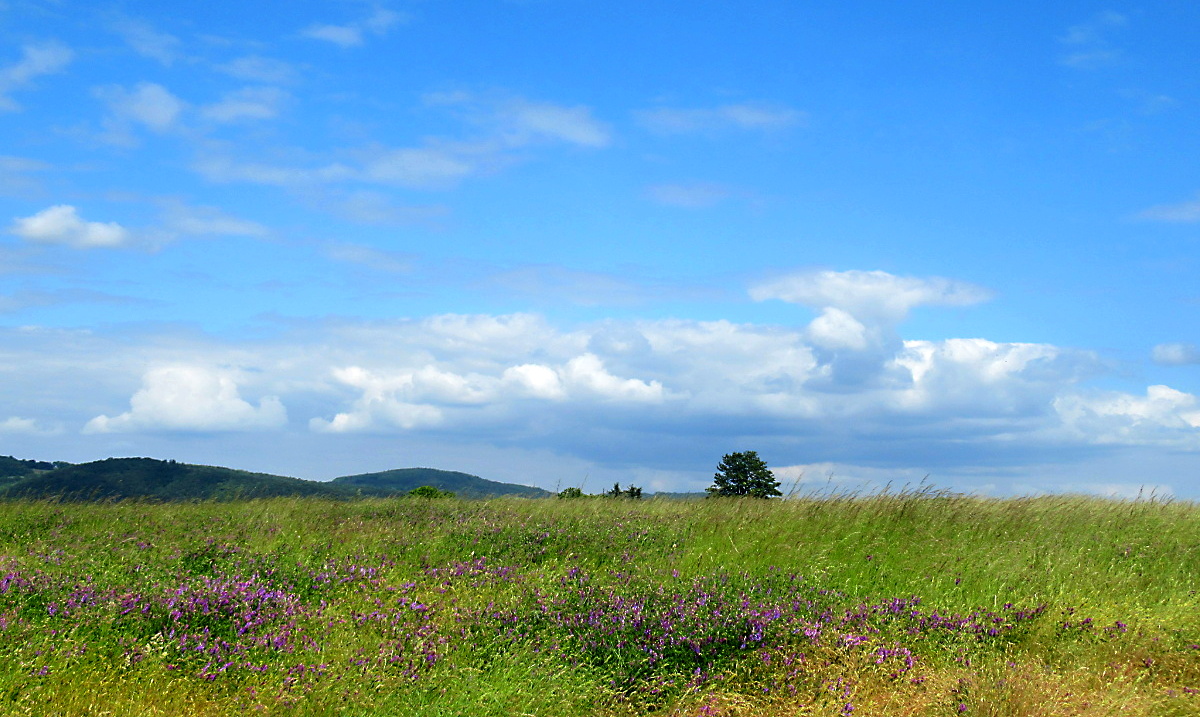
x=601, y=607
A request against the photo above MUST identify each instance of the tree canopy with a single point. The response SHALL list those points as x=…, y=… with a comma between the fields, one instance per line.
x=743, y=474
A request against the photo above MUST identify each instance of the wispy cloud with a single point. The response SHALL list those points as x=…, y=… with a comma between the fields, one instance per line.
x=255, y=68
x=376, y=259
x=694, y=195
x=751, y=116
x=33, y=298
x=16, y=175
x=504, y=126
x=869, y=294
x=147, y=104
x=1088, y=45
x=553, y=284
x=1185, y=212
x=61, y=224
x=353, y=34
x=39, y=59
x=148, y=42
x=15, y=425
x=248, y=103
x=1176, y=354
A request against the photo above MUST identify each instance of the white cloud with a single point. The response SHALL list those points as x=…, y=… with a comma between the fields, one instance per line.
x=180, y=219
x=746, y=117
x=836, y=329
x=620, y=393
x=535, y=381
x=255, y=68
x=523, y=121
x=698, y=195
x=364, y=206
x=225, y=169
x=352, y=34
x=148, y=104
x=27, y=426
x=45, y=58
x=249, y=103
x=432, y=167
x=875, y=295
x=391, y=401
x=588, y=374
x=508, y=124
x=1177, y=354
x=61, y=224
x=15, y=179
x=1165, y=416
x=377, y=259
x=148, y=42
x=186, y=397
x=552, y=284
x=1087, y=44
x=981, y=377
x=1186, y=212
x=429, y=395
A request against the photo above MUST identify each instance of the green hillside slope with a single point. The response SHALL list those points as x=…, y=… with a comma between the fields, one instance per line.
x=464, y=485
x=117, y=478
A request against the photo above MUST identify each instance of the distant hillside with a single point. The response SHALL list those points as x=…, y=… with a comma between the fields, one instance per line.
x=161, y=480
x=120, y=478
x=464, y=485
x=14, y=467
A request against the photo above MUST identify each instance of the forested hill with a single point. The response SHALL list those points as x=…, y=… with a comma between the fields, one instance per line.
x=148, y=478
x=464, y=485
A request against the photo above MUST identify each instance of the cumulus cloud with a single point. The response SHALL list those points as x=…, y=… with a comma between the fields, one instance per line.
x=1186, y=212
x=424, y=396
x=1164, y=416
x=61, y=224
x=855, y=335
x=353, y=34
x=1177, y=354
x=744, y=117
x=38, y=59
x=844, y=389
x=191, y=398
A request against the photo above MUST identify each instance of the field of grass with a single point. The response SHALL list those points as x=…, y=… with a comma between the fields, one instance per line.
x=909, y=604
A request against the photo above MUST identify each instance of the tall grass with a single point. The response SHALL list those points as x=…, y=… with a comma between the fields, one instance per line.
x=912, y=603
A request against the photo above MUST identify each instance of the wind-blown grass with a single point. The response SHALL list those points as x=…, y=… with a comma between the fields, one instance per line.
x=904, y=604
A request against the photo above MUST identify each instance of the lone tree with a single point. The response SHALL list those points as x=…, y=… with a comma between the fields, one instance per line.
x=742, y=474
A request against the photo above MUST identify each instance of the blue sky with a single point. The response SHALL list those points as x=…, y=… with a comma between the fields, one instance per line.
x=564, y=242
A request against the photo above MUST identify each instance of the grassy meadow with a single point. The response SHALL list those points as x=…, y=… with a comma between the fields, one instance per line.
x=904, y=604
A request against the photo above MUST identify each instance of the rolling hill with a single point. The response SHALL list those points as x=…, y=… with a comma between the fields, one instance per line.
x=148, y=478
x=464, y=485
